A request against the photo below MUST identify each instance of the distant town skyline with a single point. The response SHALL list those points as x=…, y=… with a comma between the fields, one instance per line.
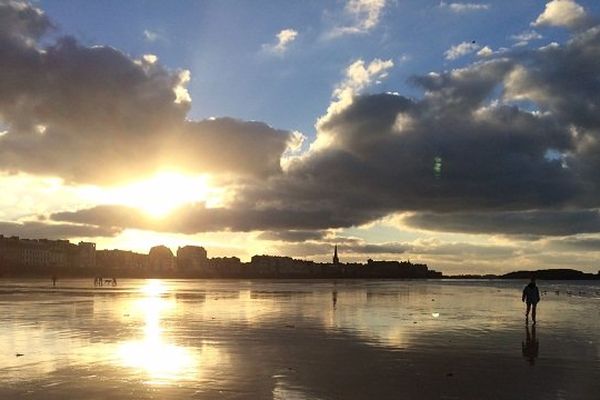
x=462, y=135
x=22, y=257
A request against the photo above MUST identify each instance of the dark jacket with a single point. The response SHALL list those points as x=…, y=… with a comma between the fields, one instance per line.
x=531, y=294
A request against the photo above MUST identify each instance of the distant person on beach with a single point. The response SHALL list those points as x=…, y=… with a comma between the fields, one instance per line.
x=54, y=279
x=531, y=296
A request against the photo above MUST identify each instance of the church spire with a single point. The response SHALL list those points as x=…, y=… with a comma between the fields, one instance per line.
x=336, y=259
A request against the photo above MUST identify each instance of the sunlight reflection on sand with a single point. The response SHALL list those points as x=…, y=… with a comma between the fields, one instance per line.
x=160, y=360
x=173, y=339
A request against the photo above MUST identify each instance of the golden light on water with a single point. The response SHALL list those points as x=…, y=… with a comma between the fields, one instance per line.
x=154, y=355
x=153, y=288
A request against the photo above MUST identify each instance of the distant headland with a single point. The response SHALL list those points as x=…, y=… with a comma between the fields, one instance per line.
x=563, y=274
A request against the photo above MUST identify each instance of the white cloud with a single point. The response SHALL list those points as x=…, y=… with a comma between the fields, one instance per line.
x=360, y=75
x=524, y=38
x=284, y=39
x=151, y=36
x=150, y=58
x=485, y=52
x=295, y=147
x=561, y=13
x=362, y=15
x=404, y=58
x=460, y=50
x=181, y=93
x=464, y=7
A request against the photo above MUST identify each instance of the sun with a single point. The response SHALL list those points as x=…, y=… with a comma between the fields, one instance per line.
x=160, y=194
x=166, y=191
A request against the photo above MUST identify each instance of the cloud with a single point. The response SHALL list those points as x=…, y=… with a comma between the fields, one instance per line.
x=96, y=115
x=523, y=38
x=463, y=250
x=284, y=39
x=356, y=249
x=464, y=157
x=575, y=244
x=151, y=36
x=291, y=236
x=460, y=50
x=42, y=230
x=565, y=13
x=361, y=248
x=506, y=145
x=485, y=52
x=464, y=7
x=460, y=147
x=358, y=76
x=361, y=17
x=22, y=23
x=516, y=223
x=196, y=218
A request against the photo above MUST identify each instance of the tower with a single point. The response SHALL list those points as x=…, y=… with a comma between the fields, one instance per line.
x=336, y=259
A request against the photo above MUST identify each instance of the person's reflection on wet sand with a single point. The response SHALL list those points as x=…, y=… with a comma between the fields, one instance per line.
x=531, y=346
x=334, y=298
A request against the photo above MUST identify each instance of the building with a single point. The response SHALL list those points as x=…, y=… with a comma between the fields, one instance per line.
x=336, y=259
x=281, y=266
x=122, y=260
x=37, y=253
x=192, y=258
x=161, y=259
x=396, y=269
x=87, y=254
x=225, y=267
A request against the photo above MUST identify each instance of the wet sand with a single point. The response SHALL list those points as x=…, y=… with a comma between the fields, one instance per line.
x=297, y=340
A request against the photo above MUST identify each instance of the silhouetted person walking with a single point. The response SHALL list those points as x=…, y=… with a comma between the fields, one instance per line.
x=54, y=278
x=531, y=296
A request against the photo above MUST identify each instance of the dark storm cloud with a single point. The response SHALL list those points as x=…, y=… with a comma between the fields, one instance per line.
x=40, y=230
x=21, y=21
x=94, y=114
x=196, y=218
x=228, y=145
x=470, y=145
x=492, y=160
x=563, y=79
x=542, y=223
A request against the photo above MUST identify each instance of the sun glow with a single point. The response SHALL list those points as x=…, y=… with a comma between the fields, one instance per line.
x=160, y=194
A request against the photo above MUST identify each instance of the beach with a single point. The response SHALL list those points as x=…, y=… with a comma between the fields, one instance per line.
x=351, y=339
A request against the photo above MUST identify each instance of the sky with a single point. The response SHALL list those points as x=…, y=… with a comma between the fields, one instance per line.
x=465, y=135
